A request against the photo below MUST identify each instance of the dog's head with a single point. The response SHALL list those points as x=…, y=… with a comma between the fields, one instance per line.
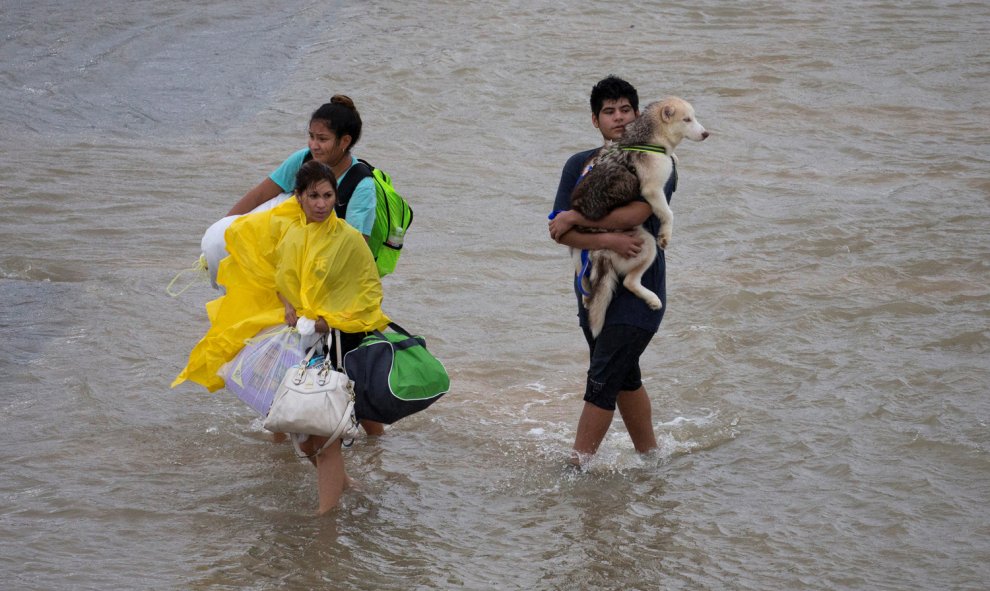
x=677, y=120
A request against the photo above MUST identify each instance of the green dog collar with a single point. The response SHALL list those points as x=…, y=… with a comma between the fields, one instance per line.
x=645, y=148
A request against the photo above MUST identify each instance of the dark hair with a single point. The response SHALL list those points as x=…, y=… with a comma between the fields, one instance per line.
x=612, y=88
x=341, y=117
x=313, y=172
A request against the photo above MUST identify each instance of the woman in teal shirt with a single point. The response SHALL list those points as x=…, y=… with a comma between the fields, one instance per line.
x=334, y=129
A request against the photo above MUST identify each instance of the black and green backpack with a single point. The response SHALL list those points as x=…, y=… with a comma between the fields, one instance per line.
x=393, y=215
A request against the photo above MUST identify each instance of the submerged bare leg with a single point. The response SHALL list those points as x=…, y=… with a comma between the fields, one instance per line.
x=331, y=478
x=637, y=414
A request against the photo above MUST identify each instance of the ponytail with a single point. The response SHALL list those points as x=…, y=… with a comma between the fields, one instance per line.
x=341, y=117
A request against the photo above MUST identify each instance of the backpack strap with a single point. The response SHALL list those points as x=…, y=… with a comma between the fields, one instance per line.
x=355, y=174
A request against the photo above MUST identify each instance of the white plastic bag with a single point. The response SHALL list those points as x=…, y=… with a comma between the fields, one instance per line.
x=214, y=246
x=256, y=372
x=305, y=326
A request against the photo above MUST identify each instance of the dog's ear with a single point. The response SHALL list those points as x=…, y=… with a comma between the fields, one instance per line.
x=667, y=113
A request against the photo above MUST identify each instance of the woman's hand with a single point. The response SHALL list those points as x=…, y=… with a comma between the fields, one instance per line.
x=290, y=316
x=290, y=312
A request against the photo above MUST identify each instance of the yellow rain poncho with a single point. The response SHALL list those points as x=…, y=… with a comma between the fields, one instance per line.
x=325, y=270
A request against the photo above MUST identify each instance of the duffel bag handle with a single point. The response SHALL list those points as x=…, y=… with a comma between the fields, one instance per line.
x=410, y=341
x=398, y=328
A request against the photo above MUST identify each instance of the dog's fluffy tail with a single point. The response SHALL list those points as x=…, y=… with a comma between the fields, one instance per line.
x=604, y=280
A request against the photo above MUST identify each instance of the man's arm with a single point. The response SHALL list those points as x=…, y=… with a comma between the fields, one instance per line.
x=621, y=218
x=624, y=242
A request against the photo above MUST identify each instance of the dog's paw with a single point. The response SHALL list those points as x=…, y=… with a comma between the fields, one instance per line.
x=663, y=240
x=654, y=303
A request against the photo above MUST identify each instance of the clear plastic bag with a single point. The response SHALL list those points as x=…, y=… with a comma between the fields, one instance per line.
x=256, y=372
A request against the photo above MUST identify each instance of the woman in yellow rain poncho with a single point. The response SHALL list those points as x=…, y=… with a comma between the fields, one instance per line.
x=296, y=261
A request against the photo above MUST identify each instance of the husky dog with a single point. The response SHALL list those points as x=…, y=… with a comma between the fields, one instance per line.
x=640, y=163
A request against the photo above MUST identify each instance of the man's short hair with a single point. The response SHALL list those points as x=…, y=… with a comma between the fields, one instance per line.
x=612, y=88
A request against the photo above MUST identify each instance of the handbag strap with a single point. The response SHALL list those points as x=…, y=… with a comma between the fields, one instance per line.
x=300, y=375
x=326, y=349
x=309, y=356
x=305, y=456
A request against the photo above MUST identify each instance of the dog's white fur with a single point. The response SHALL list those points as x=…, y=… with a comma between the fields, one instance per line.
x=673, y=120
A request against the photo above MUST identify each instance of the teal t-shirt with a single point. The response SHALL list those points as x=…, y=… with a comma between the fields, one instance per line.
x=360, y=208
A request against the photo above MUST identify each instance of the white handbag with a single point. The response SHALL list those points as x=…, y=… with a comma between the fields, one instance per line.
x=314, y=400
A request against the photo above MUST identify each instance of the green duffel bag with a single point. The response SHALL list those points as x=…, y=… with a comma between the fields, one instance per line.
x=394, y=375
